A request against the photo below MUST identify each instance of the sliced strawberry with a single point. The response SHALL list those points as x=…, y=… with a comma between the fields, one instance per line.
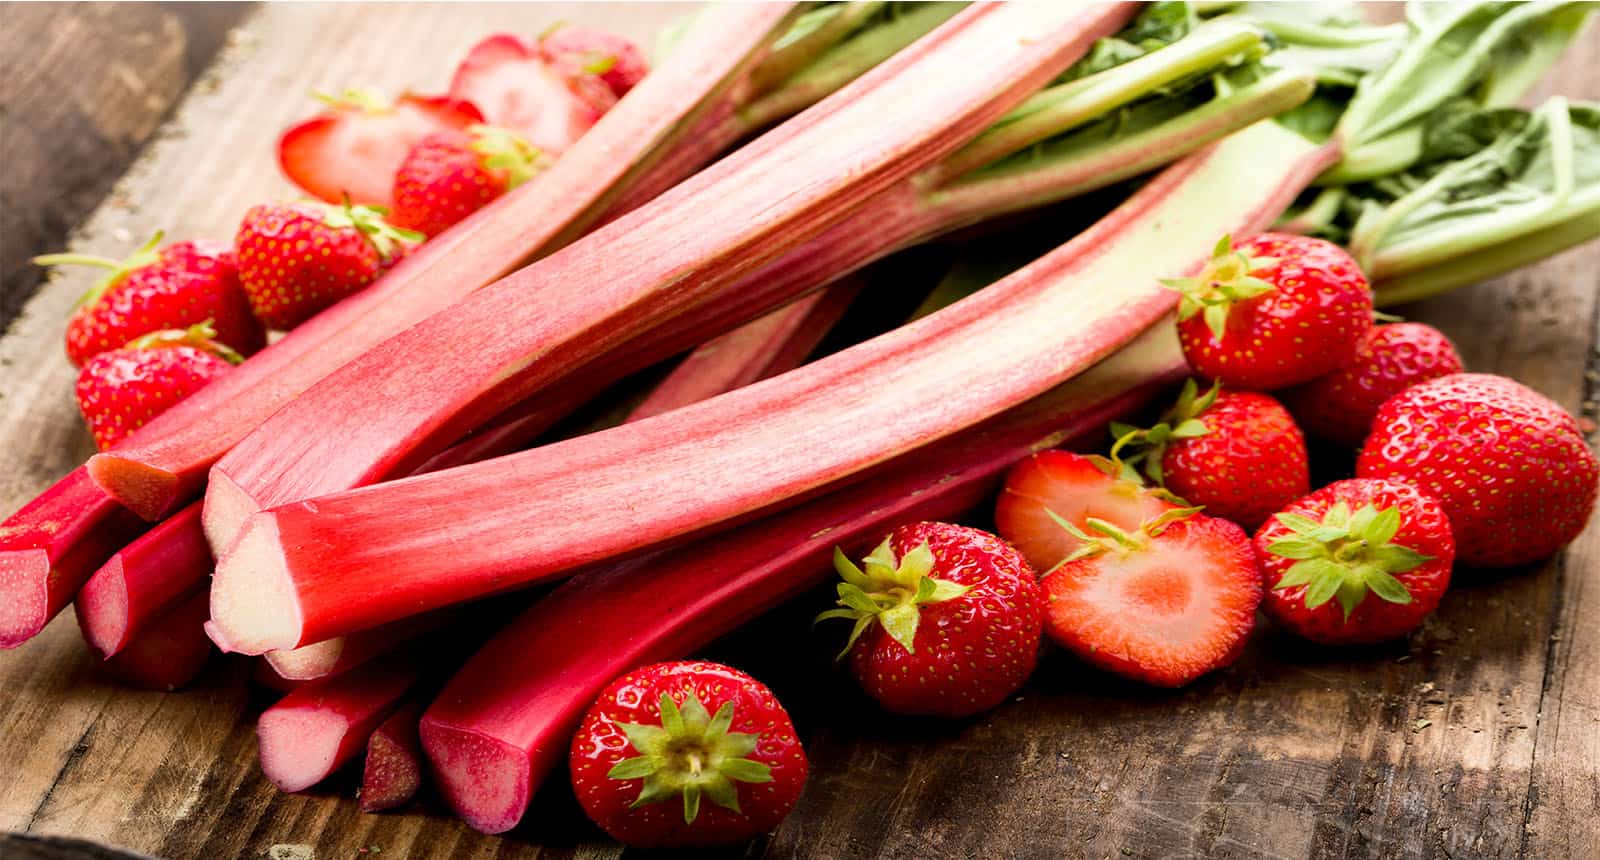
x=1163, y=605
x=356, y=145
x=585, y=50
x=1074, y=488
x=511, y=81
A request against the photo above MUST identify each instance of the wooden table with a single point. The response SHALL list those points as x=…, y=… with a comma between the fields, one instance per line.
x=1480, y=737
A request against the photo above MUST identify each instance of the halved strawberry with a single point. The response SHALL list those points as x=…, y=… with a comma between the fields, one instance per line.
x=613, y=58
x=514, y=85
x=1163, y=604
x=1074, y=488
x=356, y=145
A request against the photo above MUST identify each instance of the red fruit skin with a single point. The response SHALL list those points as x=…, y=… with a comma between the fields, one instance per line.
x=1307, y=327
x=1423, y=527
x=1110, y=610
x=441, y=182
x=1511, y=468
x=514, y=85
x=1075, y=489
x=1340, y=407
x=192, y=282
x=635, y=698
x=572, y=49
x=1252, y=463
x=971, y=652
x=120, y=390
x=347, y=150
x=292, y=266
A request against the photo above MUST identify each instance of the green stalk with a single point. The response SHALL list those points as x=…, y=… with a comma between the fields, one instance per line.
x=1319, y=214
x=792, y=55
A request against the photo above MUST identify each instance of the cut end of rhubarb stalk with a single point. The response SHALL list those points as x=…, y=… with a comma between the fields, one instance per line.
x=483, y=779
x=102, y=606
x=253, y=604
x=390, y=778
x=147, y=491
x=308, y=662
x=24, y=595
x=226, y=509
x=299, y=746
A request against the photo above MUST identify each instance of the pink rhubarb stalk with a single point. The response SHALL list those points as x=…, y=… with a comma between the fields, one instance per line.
x=493, y=734
x=171, y=654
x=343, y=653
x=392, y=773
x=137, y=586
x=357, y=559
x=164, y=464
x=50, y=547
x=406, y=399
x=322, y=725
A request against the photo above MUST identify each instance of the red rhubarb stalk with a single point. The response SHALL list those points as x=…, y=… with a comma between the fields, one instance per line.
x=51, y=546
x=164, y=464
x=627, y=278
x=171, y=654
x=343, y=653
x=493, y=734
x=321, y=725
x=143, y=580
x=392, y=773
x=357, y=559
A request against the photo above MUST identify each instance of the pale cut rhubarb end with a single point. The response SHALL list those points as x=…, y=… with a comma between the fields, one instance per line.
x=254, y=608
x=299, y=746
x=147, y=491
x=390, y=777
x=24, y=595
x=102, y=608
x=308, y=662
x=485, y=780
x=227, y=507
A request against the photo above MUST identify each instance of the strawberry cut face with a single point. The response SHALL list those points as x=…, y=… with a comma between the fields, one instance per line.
x=1074, y=488
x=512, y=84
x=355, y=148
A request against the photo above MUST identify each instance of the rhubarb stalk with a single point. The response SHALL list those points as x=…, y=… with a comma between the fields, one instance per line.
x=142, y=581
x=321, y=725
x=391, y=775
x=168, y=655
x=353, y=560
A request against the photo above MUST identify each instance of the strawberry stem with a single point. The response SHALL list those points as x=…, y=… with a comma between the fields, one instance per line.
x=120, y=269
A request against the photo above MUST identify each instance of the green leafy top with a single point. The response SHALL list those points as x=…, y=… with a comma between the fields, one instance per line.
x=201, y=336
x=1100, y=537
x=1149, y=445
x=504, y=149
x=889, y=592
x=369, y=221
x=119, y=269
x=692, y=753
x=1227, y=278
x=1346, y=555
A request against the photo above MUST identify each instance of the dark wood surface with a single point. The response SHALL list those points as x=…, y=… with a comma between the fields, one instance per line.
x=1478, y=737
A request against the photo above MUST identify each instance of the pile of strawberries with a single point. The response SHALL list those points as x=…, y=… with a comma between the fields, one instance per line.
x=170, y=319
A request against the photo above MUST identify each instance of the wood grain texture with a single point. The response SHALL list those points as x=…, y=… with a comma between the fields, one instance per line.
x=1478, y=737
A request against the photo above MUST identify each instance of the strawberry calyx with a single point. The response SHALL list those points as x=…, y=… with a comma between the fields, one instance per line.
x=201, y=336
x=364, y=99
x=691, y=754
x=1346, y=555
x=147, y=255
x=504, y=149
x=889, y=592
x=1225, y=280
x=369, y=221
x=1147, y=446
x=1101, y=537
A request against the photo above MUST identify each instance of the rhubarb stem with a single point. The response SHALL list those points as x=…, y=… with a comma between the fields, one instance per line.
x=788, y=57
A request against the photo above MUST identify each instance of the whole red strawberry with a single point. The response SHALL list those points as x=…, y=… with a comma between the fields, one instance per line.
x=296, y=259
x=120, y=390
x=1340, y=407
x=183, y=284
x=1162, y=604
x=1358, y=561
x=687, y=753
x=947, y=620
x=1052, y=486
x=1238, y=454
x=586, y=50
x=1510, y=467
x=1275, y=311
x=451, y=175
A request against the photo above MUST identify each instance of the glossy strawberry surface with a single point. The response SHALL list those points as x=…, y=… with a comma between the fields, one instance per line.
x=120, y=390
x=1340, y=406
x=293, y=263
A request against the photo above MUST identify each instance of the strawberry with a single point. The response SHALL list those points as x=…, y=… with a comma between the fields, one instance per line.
x=946, y=618
x=1163, y=604
x=585, y=50
x=1054, y=485
x=121, y=389
x=661, y=739
x=512, y=81
x=1382, y=548
x=450, y=175
x=180, y=285
x=1511, y=467
x=1238, y=454
x=295, y=259
x=1277, y=310
x=354, y=147
x=1340, y=407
